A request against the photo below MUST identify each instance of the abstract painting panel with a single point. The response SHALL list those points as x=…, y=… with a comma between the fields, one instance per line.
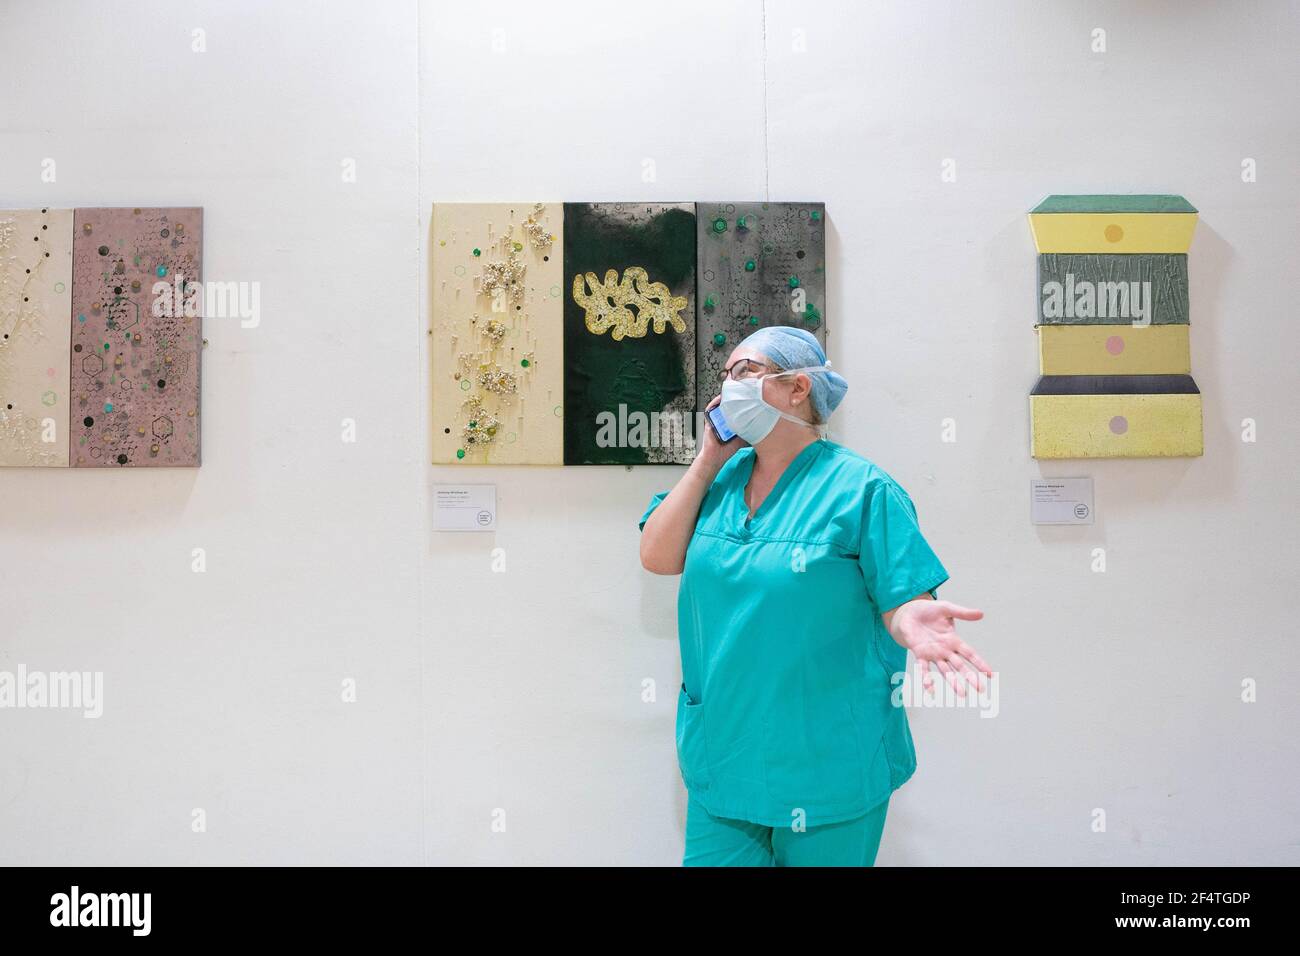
x=1113, y=224
x=136, y=337
x=759, y=264
x=498, y=307
x=629, y=333
x=1120, y=416
x=35, y=297
x=1089, y=289
x=1113, y=350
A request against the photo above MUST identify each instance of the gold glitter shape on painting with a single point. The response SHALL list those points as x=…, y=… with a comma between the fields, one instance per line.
x=610, y=305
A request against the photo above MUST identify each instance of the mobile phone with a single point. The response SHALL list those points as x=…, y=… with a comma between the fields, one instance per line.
x=719, y=424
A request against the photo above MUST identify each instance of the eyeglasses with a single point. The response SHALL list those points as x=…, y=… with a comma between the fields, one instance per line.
x=744, y=368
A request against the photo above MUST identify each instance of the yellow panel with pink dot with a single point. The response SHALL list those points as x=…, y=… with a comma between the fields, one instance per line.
x=1114, y=350
x=1119, y=416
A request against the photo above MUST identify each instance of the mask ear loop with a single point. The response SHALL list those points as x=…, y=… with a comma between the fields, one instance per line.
x=821, y=429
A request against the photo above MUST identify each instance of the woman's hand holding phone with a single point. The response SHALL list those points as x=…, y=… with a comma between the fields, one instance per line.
x=713, y=449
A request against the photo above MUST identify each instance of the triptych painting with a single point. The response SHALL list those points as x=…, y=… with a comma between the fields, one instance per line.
x=102, y=334
x=596, y=333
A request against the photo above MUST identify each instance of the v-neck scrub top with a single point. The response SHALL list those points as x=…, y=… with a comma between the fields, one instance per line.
x=786, y=701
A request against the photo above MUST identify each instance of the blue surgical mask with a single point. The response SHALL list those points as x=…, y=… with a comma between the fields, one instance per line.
x=748, y=414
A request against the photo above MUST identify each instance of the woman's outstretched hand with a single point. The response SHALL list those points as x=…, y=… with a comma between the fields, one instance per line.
x=926, y=628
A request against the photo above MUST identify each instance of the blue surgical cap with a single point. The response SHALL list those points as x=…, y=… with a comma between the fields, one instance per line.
x=790, y=347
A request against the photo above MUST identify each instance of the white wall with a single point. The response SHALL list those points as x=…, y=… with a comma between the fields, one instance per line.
x=522, y=690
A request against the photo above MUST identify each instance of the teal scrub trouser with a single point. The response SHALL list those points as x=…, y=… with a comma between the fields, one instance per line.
x=720, y=841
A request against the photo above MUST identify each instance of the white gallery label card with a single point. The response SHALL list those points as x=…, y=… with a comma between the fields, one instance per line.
x=1060, y=500
x=464, y=507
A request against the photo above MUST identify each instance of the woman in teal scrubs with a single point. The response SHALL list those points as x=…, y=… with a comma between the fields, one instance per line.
x=805, y=582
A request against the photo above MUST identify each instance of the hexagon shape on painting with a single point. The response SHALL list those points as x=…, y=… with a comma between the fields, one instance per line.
x=92, y=364
x=123, y=314
x=162, y=427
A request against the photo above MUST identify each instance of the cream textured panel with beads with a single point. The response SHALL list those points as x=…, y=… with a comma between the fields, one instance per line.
x=35, y=304
x=497, y=337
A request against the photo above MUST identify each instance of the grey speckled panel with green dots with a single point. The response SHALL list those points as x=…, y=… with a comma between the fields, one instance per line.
x=756, y=263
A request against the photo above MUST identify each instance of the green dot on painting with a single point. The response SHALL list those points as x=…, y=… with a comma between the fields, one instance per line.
x=81, y=318
x=478, y=252
x=794, y=282
x=816, y=215
x=162, y=271
x=749, y=265
x=460, y=452
x=719, y=225
x=525, y=363
x=473, y=423
x=105, y=346
x=719, y=339
x=753, y=320
x=108, y=406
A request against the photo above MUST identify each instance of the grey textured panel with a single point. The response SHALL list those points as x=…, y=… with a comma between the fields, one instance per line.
x=1080, y=276
x=748, y=252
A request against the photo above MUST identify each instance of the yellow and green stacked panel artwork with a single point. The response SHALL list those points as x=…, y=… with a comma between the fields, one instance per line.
x=498, y=311
x=1113, y=322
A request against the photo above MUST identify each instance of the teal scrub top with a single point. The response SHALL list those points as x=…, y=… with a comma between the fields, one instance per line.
x=788, y=671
